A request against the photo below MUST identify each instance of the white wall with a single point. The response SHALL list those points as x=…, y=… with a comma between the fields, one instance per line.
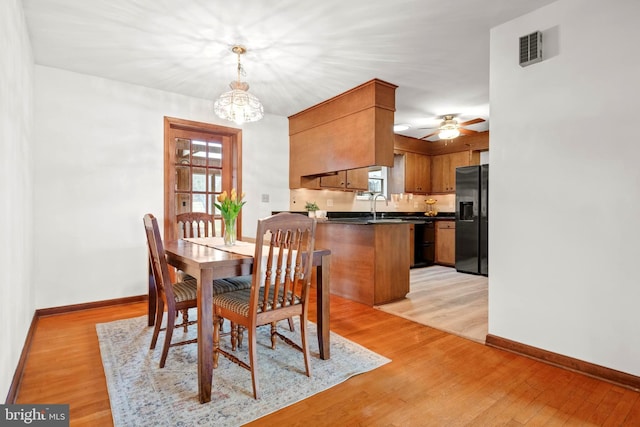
x=99, y=168
x=16, y=206
x=565, y=181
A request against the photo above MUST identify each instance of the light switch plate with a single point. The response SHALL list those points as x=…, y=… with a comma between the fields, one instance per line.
x=265, y=198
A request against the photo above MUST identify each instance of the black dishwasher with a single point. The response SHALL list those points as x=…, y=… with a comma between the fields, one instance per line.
x=424, y=244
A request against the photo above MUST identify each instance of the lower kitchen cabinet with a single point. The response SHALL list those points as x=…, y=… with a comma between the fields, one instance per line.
x=412, y=245
x=446, y=243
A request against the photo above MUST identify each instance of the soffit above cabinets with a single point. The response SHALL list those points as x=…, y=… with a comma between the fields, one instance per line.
x=352, y=130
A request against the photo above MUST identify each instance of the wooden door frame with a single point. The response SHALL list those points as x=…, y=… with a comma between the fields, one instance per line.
x=235, y=172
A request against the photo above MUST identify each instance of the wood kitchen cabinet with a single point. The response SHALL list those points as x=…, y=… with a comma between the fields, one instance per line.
x=411, y=173
x=412, y=244
x=353, y=179
x=369, y=262
x=446, y=243
x=417, y=173
x=443, y=170
x=350, y=131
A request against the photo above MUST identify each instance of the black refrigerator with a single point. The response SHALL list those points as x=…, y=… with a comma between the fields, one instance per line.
x=472, y=219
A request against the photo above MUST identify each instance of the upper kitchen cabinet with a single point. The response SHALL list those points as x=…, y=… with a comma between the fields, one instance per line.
x=411, y=173
x=443, y=169
x=353, y=130
x=354, y=180
x=425, y=167
x=417, y=173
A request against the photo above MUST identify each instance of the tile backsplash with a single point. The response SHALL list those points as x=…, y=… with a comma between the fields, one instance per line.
x=346, y=201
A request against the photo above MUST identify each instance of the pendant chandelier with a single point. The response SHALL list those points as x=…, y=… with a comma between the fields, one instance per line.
x=238, y=105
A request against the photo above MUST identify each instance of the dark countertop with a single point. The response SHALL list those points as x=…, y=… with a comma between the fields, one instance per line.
x=384, y=217
x=366, y=218
x=401, y=215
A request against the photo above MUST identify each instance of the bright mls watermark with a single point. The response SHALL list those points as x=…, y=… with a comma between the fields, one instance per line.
x=34, y=415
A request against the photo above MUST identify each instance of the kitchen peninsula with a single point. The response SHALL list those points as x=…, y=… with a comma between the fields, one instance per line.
x=332, y=148
x=370, y=260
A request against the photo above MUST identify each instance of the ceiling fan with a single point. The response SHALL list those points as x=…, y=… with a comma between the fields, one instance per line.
x=450, y=128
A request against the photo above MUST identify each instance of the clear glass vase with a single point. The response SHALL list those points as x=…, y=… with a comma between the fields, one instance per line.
x=229, y=231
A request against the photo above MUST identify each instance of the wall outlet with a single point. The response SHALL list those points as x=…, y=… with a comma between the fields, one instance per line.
x=329, y=202
x=265, y=198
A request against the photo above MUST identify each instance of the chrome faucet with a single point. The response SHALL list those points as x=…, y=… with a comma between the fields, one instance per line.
x=374, y=196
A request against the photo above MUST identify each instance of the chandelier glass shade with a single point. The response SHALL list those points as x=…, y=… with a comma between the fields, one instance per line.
x=238, y=105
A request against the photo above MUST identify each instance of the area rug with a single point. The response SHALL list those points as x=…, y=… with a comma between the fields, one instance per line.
x=142, y=394
x=444, y=299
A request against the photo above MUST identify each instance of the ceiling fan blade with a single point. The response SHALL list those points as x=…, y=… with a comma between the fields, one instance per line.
x=472, y=122
x=429, y=136
x=467, y=131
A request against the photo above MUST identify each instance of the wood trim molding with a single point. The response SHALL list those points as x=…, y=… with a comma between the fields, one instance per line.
x=475, y=142
x=17, y=375
x=232, y=169
x=596, y=371
x=42, y=312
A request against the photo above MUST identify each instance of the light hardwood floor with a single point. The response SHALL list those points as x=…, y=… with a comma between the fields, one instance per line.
x=444, y=299
x=434, y=379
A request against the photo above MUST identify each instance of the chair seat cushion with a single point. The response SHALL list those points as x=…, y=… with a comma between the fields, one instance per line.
x=230, y=284
x=186, y=290
x=238, y=301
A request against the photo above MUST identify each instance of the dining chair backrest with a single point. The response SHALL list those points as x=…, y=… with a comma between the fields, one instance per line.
x=285, y=268
x=279, y=290
x=195, y=224
x=160, y=268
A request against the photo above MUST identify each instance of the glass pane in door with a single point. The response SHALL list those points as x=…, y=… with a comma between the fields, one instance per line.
x=183, y=203
x=214, y=182
x=214, y=154
x=199, y=179
x=183, y=151
x=183, y=181
x=198, y=153
x=199, y=202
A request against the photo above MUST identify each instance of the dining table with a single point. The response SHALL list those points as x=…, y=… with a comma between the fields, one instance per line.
x=206, y=261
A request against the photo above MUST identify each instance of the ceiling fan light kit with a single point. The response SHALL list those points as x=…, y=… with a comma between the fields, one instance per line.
x=238, y=105
x=449, y=128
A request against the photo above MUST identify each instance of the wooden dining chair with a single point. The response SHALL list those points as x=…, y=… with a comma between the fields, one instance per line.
x=177, y=297
x=195, y=224
x=279, y=289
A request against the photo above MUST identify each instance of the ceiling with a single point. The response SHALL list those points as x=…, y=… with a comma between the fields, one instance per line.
x=299, y=52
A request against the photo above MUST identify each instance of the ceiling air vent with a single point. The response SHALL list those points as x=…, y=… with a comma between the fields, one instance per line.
x=530, y=49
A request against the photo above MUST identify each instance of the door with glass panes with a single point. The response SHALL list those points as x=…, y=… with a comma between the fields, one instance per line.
x=200, y=163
